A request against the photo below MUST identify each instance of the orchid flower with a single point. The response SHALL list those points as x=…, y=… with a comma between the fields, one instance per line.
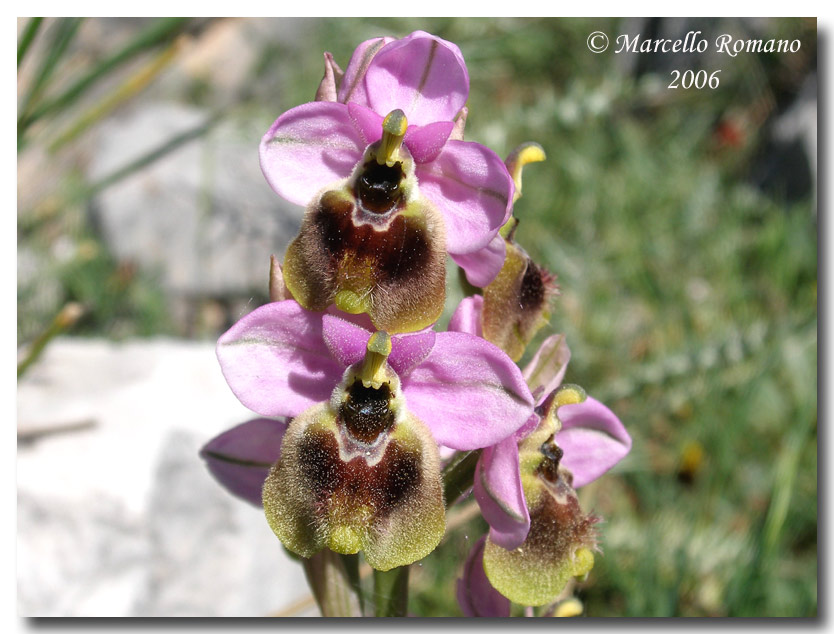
x=591, y=436
x=359, y=466
x=568, y=442
x=389, y=186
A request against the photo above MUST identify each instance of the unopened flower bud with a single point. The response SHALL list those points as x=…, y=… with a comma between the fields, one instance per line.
x=517, y=302
x=460, y=125
x=278, y=290
x=329, y=87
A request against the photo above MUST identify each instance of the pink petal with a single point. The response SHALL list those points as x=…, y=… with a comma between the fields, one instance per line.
x=484, y=265
x=422, y=75
x=357, y=67
x=497, y=488
x=426, y=141
x=476, y=596
x=467, y=316
x=240, y=458
x=547, y=368
x=471, y=187
x=276, y=362
x=368, y=122
x=309, y=147
x=360, y=319
x=593, y=439
x=527, y=428
x=348, y=343
x=468, y=392
x=409, y=350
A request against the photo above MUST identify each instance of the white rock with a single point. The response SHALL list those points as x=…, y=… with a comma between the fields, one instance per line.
x=203, y=216
x=121, y=518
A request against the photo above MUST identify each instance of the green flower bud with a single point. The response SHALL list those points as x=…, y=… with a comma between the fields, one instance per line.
x=517, y=301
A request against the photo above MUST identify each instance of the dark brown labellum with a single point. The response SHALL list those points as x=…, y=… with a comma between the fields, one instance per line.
x=384, y=485
x=394, y=254
x=532, y=293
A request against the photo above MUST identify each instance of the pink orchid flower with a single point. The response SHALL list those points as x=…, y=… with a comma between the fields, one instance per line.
x=424, y=76
x=592, y=438
x=357, y=468
x=281, y=359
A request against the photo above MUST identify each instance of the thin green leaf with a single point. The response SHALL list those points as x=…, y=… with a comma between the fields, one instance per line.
x=155, y=154
x=160, y=31
x=27, y=37
x=62, y=35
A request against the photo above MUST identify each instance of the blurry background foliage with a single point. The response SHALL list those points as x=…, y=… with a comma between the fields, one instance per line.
x=681, y=225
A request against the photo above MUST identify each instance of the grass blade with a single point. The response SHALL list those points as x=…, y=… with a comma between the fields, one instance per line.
x=63, y=34
x=26, y=38
x=134, y=84
x=153, y=155
x=158, y=32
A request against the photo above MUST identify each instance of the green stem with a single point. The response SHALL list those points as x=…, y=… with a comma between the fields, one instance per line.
x=65, y=319
x=127, y=90
x=330, y=579
x=391, y=592
x=458, y=476
x=351, y=564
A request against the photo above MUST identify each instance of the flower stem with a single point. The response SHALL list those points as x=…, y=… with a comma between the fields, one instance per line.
x=458, y=475
x=351, y=564
x=331, y=581
x=391, y=592
x=65, y=319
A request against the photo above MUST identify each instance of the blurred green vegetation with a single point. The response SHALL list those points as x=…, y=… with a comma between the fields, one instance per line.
x=688, y=297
